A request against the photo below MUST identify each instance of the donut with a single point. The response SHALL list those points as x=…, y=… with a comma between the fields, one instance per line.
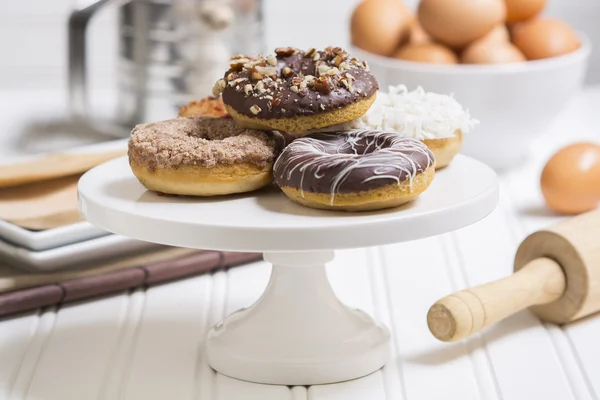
x=201, y=156
x=205, y=107
x=357, y=170
x=437, y=120
x=297, y=91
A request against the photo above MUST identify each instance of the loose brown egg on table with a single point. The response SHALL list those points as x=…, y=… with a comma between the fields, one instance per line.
x=427, y=53
x=570, y=180
x=380, y=26
x=541, y=38
x=521, y=10
x=490, y=52
x=457, y=23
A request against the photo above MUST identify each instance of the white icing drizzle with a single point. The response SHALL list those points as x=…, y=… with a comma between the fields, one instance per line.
x=391, y=156
x=417, y=114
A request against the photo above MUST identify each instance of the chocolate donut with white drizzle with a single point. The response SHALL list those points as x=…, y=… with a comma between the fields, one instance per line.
x=354, y=170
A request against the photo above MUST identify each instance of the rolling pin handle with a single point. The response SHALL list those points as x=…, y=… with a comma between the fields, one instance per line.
x=464, y=313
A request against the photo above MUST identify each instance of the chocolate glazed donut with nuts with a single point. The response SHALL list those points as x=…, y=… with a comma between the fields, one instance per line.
x=297, y=91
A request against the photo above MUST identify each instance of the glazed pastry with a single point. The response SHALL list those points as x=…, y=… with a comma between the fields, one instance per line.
x=354, y=170
x=206, y=107
x=201, y=156
x=437, y=120
x=297, y=91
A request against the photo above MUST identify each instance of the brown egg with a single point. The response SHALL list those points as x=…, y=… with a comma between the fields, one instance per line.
x=490, y=52
x=521, y=10
x=380, y=26
x=544, y=38
x=498, y=34
x=457, y=23
x=427, y=53
x=417, y=35
x=570, y=181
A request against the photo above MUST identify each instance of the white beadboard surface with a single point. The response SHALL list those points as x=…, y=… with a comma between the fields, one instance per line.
x=148, y=344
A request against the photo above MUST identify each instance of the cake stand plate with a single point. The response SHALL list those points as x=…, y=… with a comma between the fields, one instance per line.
x=298, y=332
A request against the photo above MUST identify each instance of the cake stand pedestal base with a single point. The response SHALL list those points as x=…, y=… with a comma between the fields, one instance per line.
x=298, y=332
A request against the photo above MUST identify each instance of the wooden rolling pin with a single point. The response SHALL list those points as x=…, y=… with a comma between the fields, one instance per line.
x=556, y=275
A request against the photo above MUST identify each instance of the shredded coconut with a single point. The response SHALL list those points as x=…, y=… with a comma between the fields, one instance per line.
x=417, y=114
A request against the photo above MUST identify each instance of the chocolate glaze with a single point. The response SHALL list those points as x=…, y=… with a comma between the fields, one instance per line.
x=350, y=161
x=281, y=101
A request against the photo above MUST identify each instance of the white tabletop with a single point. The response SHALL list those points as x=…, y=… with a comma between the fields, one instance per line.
x=148, y=344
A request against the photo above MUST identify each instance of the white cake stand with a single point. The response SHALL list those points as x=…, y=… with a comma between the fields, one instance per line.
x=298, y=332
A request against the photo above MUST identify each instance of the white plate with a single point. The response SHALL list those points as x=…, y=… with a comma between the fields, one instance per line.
x=76, y=255
x=64, y=235
x=111, y=197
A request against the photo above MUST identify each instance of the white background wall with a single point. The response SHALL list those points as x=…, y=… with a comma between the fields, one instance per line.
x=33, y=35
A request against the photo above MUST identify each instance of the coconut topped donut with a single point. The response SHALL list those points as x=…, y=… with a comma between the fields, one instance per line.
x=295, y=90
x=199, y=141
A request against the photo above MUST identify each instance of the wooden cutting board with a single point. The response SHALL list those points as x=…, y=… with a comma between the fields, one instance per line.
x=53, y=166
x=41, y=205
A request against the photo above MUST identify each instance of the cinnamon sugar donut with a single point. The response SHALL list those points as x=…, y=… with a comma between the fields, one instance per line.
x=201, y=156
x=354, y=170
x=297, y=91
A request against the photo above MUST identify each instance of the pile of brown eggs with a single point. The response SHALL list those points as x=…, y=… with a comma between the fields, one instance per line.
x=461, y=31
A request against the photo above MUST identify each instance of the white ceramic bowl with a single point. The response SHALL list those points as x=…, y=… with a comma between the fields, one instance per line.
x=513, y=102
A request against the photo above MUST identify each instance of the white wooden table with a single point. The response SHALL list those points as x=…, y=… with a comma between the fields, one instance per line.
x=148, y=344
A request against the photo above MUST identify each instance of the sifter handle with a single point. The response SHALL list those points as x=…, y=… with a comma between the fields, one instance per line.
x=77, y=28
x=464, y=313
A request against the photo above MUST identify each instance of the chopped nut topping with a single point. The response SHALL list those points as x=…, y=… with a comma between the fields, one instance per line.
x=238, y=63
x=333, y=71
x=263, y=77
x=322, y=69
x=268, y=71
x=338, y=60
x=322, y=85
x=254, y=63
x=237, y=81
x=219, y=86
x=285, y=51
